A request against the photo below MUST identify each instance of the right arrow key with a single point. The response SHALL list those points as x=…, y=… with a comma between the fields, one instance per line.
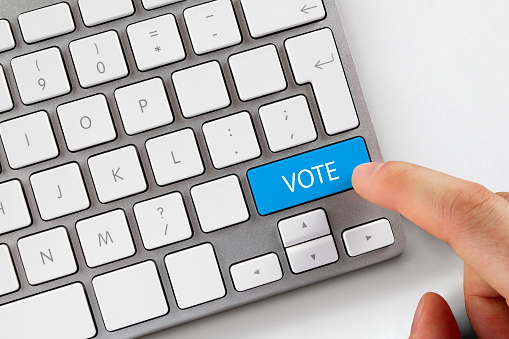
x=369, y=237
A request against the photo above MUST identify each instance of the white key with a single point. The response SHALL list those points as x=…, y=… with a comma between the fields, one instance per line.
x=156, y=42
x=314, y=59
x=98, y=59
x=219, y=203
x=144, y=106
x=200, y=284
x=96, y=12
x=13, y=207
x=369, y=237
x=231, y=140
x=6, y=38
x=312, y=254
x=117, y=174
x=9, y=282
x=201, y=89
x=288, y=123
x=86, y=122
x=105, y=238
x=130, y=295
x=5, y=95
x=212, y=26
x=163, y=221
x=303, y=227
x=175, y=157
x=151, y=4
x=60, y=191
x=265, y=17
x=28, y=140
x=257, y=72
x=35, y=25
x=40, y=76
x=58, y=314
x=47, y=256
x=256, y=272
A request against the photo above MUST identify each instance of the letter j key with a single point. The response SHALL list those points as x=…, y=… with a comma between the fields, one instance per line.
x=306, y=177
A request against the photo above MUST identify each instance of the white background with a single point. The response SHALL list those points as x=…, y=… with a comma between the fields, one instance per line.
x=435, y=74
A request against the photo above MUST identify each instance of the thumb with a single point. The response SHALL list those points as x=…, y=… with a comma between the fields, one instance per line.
x=434, y=319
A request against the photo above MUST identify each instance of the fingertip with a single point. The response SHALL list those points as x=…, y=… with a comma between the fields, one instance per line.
x=434, y=319
x=366, y=170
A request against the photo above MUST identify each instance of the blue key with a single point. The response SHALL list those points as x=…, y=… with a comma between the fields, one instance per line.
x=306, y=177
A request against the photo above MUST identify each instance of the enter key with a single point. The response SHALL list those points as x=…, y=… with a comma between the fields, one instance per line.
x=306, y=177
x=314, y=59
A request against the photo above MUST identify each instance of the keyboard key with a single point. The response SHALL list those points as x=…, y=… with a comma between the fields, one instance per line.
x=105, y=238
x=270, y=16
x=40, y=76
x=156, y=42
x=117, y=174
x=59, y=191
x=199, y=285
x=304, y=227
x=219, y=203
x=369, y=237
x=212, y=26
x=130, y=295
x=256, y=272
x=151, y=4
x=13, y=207
x=257, y=72
x=47, y=256
x=312, y=254
x=6, y=38
x=175, y=157
x=9, y=282
x=205, y=82
x=144, y=106
x=96, y=12
x=231, y=140
x=288, y=123
x=163, y=221
x=99, y=58
x=5, y=95
x=35, y=25
x=58, y=314
x=28, y=140
x=306, y=177
x=314, y=59
x=86, y=122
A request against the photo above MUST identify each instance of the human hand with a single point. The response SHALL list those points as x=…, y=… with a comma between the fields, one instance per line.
x=472, y=220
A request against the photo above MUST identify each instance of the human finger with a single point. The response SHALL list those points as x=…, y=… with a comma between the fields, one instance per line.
x=470, y=218
x=433, y=319
x=487, y=310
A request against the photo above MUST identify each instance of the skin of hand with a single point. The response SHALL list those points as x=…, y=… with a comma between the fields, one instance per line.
x=472, y=220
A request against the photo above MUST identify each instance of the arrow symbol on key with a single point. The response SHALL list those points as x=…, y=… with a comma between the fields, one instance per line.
x=319, y=64
x=368, y=237
x=257, y=272
x=305, y=9
x=313, y=256
x=304, y=225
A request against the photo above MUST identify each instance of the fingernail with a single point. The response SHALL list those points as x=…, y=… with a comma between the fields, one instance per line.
x=365, y=170
x=417, y=315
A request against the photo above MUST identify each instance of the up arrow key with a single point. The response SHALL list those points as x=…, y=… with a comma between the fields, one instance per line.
x=257, y=272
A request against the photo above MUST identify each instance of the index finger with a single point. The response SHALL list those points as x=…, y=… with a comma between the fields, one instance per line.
x=470, y=218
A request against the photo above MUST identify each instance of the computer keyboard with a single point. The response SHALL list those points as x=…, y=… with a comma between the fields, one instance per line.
x=166, y=160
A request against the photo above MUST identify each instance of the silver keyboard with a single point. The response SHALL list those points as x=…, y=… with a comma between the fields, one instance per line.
x=166, y=160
